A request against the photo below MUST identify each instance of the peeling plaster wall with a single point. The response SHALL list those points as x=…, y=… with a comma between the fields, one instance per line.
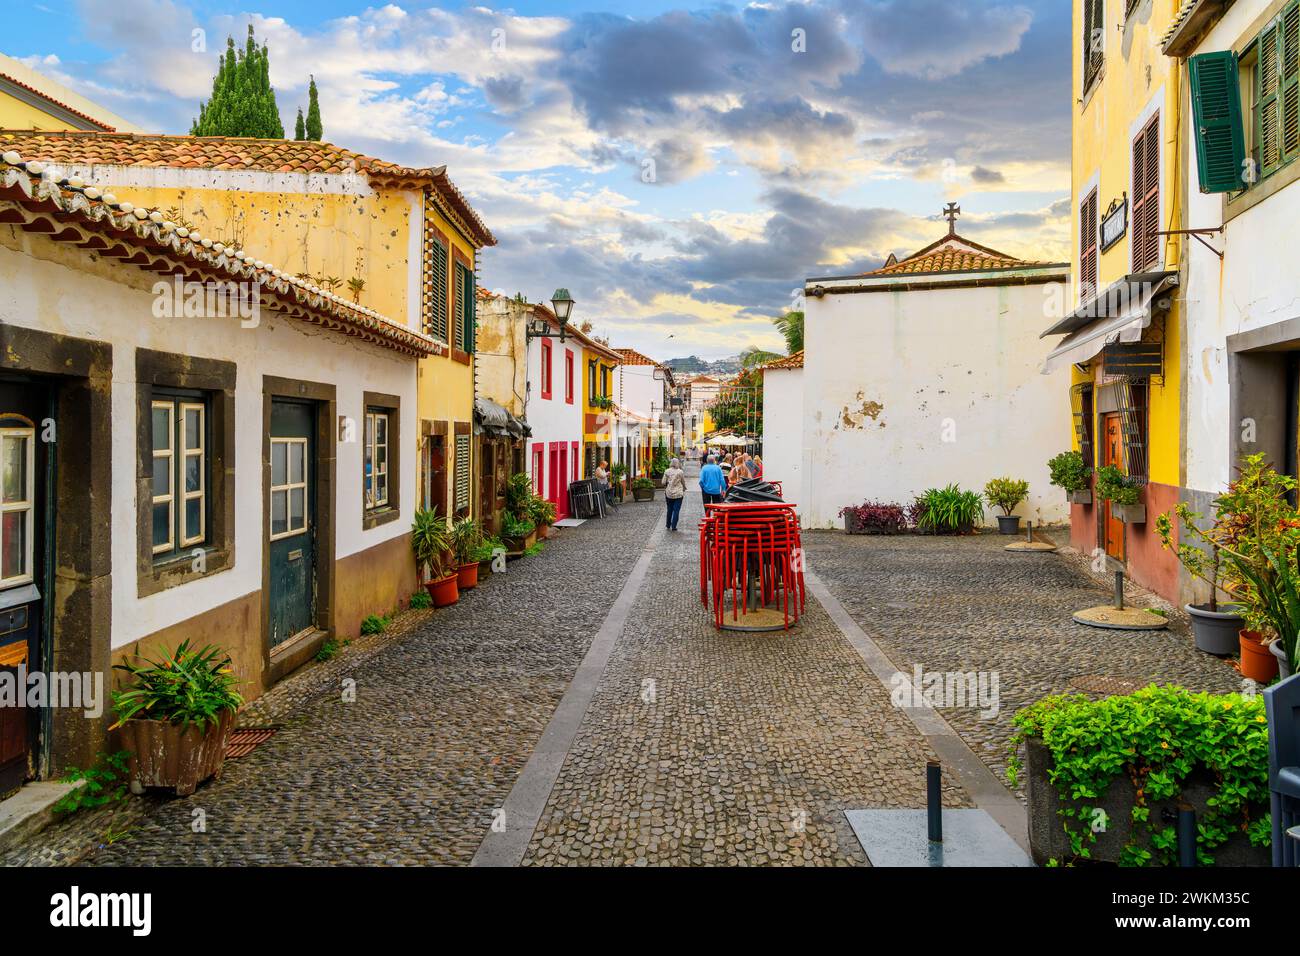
x=903, y=391
x=782, y=430
x=61, y=289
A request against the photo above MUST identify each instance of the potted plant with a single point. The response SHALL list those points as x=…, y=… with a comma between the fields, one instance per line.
x=518, y=534
x=1070, y=472
x=175, y=716
x=949, y=510
x=542, y=514
x=1123, y=493
x=660, y=462
x=617, y=473
x=874, y=517
x=519, y=492
x=643, y=489
x=1215, y=628
x=1007, y=493
x=487, y=552
x=431, y=541
x=466, y=536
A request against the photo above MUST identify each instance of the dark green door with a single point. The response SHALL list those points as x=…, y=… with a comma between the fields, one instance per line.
x=292, y=526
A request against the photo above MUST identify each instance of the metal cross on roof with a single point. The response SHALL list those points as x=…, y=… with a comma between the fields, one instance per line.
x=951, y=212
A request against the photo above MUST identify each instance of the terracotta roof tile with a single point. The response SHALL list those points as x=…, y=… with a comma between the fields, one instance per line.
x=953, y=254
x=789, y=361
x=235, y=153
x=633, y=357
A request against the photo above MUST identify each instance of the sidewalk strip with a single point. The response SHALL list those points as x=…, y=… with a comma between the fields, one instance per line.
x=523, y=807
x=971, y=772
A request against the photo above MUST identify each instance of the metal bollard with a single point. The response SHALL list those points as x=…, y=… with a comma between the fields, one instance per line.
x=1030, y=526
x=1119, y=590
x=934, y=801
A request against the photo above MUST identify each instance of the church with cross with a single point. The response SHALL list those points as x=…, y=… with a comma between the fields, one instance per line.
x=923, y=373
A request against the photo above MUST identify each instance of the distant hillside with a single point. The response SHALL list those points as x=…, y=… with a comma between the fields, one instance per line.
x=694, y=365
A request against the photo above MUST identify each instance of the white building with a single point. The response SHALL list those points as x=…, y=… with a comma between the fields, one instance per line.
x=642, y=392
x=239, y=473
x=1241, y=352
x=783, y=425
x=925, y=373
x=554, y=410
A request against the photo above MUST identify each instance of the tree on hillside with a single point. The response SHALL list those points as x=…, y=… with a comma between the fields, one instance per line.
x=314, y=129
x=790, y=326
x=243, y=101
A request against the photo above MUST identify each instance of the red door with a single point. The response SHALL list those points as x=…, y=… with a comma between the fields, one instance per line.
x=1112, y=453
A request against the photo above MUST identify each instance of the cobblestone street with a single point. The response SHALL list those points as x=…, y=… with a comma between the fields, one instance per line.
x=696, y=747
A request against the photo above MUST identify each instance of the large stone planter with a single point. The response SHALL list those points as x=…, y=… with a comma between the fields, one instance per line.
x=1048, y=840
x=164, y=755
x=643, y=494
x=516, y=545
x=1081, y=497
x=852, y=525
x=1130, y=514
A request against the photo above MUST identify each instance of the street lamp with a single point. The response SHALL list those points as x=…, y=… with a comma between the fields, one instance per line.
x=562, y=304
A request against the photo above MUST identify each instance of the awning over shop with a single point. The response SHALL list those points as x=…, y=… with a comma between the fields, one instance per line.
x=495, y=421
x=1120, y=313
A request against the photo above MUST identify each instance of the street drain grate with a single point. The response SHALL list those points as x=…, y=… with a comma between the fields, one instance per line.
x=245, y=740
x=1106, y=685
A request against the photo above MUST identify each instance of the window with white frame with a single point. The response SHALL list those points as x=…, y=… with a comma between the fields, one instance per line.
x=376, y=459
x=179, y=472
x=288, y=487
x=17, y=504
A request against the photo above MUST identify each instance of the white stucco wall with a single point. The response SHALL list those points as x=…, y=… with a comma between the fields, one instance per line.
x=58, y=289
x=783, y=431
x=904, y=391
x=554, y=419
x=1255, y=285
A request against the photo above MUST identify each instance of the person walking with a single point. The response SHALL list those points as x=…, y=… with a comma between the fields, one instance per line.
x=713, y=483
x=756, y=466
x=674, y=492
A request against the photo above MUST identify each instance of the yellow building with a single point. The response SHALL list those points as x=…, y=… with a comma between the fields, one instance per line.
x=32, y=101
x=1120, y=326
x=598, y=363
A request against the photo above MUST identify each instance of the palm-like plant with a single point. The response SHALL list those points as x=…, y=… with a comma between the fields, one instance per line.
x=466, y=538
x=790, y=326
x=431, y=539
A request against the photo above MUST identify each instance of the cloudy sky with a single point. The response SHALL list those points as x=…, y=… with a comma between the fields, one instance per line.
x=681, y=169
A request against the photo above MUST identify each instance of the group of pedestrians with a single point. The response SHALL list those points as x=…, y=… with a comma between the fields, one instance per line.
x=715, y=478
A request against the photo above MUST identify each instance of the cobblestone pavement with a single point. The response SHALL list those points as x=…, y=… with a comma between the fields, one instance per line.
x=447, y=711
x=965, y=604
x=749, y=751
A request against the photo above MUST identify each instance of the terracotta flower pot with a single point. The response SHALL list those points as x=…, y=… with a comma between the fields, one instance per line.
x=443, y=592
x=164, y=755
x=467, y=576
x=1257, y=661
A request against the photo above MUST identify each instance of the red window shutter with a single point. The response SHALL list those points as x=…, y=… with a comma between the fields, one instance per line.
x=1146, y=197
x=1088, y=248
x=568, y=376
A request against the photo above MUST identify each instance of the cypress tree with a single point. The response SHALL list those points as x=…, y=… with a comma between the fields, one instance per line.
x=243, y=100
x=299, y=130
x=314, y=128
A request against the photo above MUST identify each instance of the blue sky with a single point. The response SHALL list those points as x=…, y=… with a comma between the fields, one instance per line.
x=680, y=168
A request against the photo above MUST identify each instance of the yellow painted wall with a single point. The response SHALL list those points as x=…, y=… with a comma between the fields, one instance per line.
x=319, y=234
x=1135, y=73
x=15, y=114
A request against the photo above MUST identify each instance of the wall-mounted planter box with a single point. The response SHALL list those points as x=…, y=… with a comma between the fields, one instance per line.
x=1048, y=840
x=1130, y=514
x=1081, y=497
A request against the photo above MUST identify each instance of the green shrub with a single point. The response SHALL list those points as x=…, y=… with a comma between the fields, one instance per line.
x=488, y=549
x=1069, y=471
x=519, y=491
x=948, y=510
x=512, y=527
x=105, y=782
x=1155, y=738
x=1006, y=493
x=1114, y=486
x=466, y=536
x=373, y=624
x=420, y=600
x=185, y=687
x=643, y=484
x=329, y=650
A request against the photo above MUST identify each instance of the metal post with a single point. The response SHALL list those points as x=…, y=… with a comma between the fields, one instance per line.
x=934, y=801
x=1119, y=590
x=1186, y=836
x=1030, y=526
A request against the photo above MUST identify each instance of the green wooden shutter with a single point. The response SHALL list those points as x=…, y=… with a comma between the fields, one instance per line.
x=1216, y=108
x=1269, y=83
x=1289, y=83
x=465, y=297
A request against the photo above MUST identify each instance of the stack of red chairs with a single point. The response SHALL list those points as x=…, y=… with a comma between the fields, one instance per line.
x=752, y=544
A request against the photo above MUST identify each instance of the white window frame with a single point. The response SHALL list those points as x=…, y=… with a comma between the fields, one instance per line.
x=201, y=452
x=371, y=458
x=170, y=454
x=27, y=506
x=287, y=488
